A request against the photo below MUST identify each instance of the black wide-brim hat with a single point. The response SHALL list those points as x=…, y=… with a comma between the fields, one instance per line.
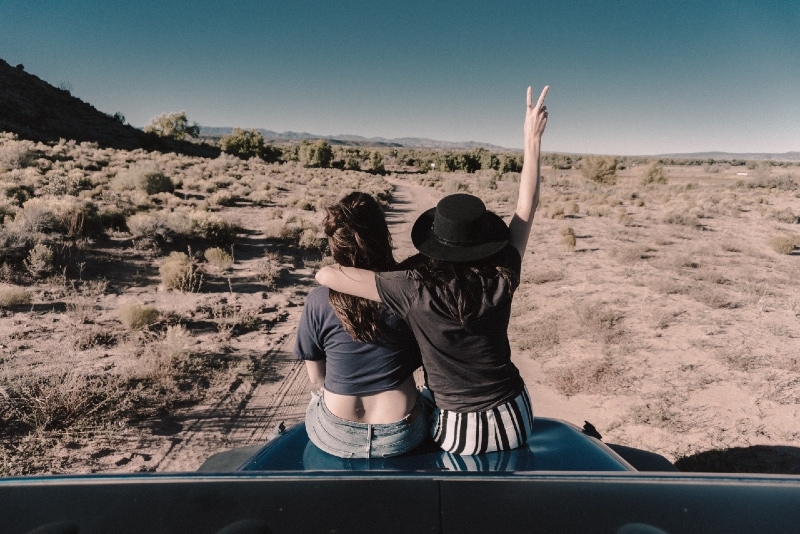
x=459, y=229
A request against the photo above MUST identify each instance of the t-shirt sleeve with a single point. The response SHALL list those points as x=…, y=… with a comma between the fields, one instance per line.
x=511, y=260
x=398, y=290
x=309, y=345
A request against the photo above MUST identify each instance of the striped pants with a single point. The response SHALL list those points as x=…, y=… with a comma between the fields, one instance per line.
x=500, y=428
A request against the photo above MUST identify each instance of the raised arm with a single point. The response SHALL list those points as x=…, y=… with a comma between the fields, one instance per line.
x=349, y=280
x=528, y=199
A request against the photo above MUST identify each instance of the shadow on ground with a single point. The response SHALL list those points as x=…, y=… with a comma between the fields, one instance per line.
x=768, y=459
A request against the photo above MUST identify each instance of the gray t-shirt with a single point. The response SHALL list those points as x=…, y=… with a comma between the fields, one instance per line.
x=353, y=367
x=467, y=370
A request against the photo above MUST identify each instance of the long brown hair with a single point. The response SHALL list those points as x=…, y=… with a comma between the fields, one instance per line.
x=358, y=236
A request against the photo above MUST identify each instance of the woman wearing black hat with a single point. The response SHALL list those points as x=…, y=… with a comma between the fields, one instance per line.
x=456, y=297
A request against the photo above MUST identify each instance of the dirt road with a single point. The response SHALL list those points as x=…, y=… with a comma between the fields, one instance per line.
x=246, y=411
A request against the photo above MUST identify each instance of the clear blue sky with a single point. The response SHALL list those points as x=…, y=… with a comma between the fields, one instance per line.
x=627, y=76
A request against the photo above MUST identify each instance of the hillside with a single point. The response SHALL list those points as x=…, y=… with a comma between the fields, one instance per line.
x=35, y=110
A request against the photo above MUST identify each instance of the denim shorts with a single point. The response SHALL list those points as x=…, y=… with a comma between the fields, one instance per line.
x=348, y=439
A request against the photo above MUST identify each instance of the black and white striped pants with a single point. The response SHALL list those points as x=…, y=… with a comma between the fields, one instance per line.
x=500, y=428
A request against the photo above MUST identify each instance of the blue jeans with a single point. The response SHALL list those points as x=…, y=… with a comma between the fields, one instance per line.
x=348, y=439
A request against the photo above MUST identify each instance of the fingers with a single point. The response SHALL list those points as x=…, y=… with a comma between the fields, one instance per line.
x=541, y=97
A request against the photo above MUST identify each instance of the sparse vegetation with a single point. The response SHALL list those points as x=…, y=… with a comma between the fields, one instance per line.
x=174, y=125
x=14, y=296
x=645, y=319
x=137, y=316
x=218, y=258
x=600, y=169
x=179, y=271
x=783, y=244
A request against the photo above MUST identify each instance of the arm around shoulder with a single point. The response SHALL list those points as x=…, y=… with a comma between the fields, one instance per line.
x=350, y=281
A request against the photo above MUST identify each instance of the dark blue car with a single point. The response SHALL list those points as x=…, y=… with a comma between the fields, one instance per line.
x=563, y=481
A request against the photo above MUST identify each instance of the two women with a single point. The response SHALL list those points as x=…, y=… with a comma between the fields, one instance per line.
x=456, y=297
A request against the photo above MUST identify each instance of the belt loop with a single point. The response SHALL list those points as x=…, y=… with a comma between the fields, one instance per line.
x=369, y=441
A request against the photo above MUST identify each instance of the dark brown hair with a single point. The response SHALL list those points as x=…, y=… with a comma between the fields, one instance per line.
x=461, y=284
x=358, y=236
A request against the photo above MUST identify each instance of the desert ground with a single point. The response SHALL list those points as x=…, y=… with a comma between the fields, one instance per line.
x=667, y=313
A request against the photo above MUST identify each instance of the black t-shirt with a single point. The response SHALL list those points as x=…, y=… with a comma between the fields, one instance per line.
x=467, y=370
x=353, y=367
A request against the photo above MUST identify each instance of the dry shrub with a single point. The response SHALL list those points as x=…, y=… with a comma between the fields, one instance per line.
x=782, y=244
x=136, y=316
x=218, y=258
x=740, y=358
x=624, y=219
x=146, y=225
x=662, y=411
x=631, y=254
x=712, y=297
x=90, y=339
x=600, y=169
x=39, y=261
x=14, y=296
x=685, y=216
x=178, y=271
x=280, y=230
x=309, y=240
x=541, y=335
x=223, y=198
x=145, y=177
x=61, y=400
x=603, y=375
x=655, y=174
x=599, y=318
x=269, y=270
x=596, y=210
x=568, y=237
x=543, y=277
x=555, y=211
x=571, y=208
x=780, y=387
x=785, y=216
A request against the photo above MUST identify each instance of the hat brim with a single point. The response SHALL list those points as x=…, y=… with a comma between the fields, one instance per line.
x=493, y=239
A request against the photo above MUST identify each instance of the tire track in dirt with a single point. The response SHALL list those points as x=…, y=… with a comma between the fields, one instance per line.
x=246, y=411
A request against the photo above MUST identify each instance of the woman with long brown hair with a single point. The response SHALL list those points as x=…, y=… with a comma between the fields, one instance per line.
x=456, y=296
x=360, y=357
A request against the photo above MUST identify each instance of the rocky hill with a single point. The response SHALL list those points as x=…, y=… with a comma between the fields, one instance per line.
x=35, y=110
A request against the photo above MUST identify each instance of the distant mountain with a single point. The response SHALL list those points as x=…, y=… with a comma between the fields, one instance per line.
x=271, y=136
x=35, y=110
x=760, y=156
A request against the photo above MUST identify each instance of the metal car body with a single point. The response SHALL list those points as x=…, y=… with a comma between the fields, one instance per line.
x=563, y=481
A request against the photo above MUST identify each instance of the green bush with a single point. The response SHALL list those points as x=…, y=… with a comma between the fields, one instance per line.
x=244, y=144
x=173, y=125
x=316, y=154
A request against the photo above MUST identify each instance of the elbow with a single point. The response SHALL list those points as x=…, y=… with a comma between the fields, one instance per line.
x=323, y=276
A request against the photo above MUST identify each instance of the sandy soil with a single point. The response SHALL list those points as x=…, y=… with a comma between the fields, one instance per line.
x=678, y=339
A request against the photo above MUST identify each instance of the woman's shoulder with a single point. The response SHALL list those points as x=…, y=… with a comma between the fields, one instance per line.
x=317, y=297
